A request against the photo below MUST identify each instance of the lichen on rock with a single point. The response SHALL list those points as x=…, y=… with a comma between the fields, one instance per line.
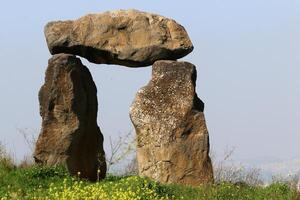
x=172, y=137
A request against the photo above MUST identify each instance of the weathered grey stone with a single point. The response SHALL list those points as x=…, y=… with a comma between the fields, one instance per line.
x=70, y=135
x=172, y=138
x=125, y=37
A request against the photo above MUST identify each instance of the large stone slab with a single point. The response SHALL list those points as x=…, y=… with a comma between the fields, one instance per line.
x=70, y=135
x=172, y=137
x=124, y=37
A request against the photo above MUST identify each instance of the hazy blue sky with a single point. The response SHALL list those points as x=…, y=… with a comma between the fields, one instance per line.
x=246, y=53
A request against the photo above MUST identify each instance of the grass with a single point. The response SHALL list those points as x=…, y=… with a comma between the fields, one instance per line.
x=37, y=182
x=55, y=183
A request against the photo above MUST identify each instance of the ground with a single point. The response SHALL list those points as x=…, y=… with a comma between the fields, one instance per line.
x=36, y=182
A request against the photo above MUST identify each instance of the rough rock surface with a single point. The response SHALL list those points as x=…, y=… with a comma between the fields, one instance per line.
x=172, y=138
x=68, y=106
x=125, y=37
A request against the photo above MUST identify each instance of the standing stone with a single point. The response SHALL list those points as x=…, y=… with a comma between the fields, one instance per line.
x=124, y=37
x=172, y=138
x=68, y=105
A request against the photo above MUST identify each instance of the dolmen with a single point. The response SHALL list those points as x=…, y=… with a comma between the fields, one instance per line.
x=172, y=137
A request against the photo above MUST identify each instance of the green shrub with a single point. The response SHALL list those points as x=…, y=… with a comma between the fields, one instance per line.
x=44, y=172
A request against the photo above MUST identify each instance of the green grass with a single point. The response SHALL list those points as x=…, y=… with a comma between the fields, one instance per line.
x=55, y=183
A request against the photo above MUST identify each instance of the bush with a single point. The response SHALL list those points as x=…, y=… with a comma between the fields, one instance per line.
x=226, y=170
x=6, y=161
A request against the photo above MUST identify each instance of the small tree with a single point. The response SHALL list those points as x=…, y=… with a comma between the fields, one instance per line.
x=120, y=149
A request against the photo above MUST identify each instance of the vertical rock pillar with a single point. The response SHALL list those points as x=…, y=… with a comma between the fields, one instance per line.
x=172, y=138
x=70, y=135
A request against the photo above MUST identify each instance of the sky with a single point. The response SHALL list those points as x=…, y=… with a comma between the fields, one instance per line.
x=247, y=58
